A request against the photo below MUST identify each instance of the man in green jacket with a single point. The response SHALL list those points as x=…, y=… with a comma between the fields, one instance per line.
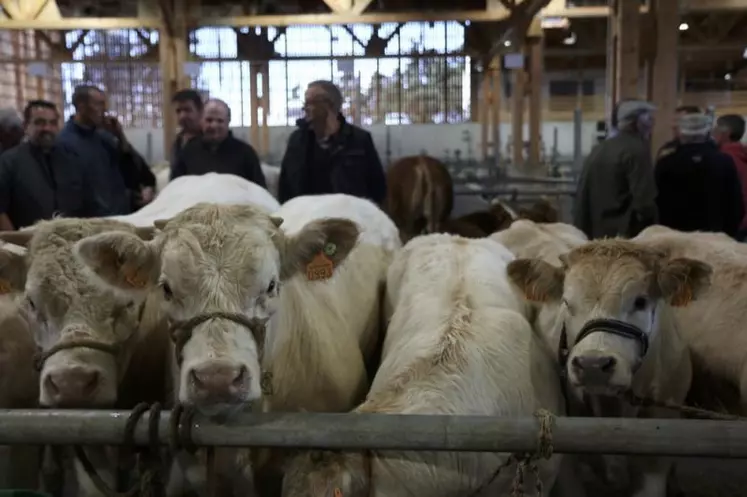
x=617, y=191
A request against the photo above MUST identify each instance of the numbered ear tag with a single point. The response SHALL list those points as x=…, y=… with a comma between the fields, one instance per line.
x=5, y=287
x=320, y=268
x=683, y=297
x=133, y=278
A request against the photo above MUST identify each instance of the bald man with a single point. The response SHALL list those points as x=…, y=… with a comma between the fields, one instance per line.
x=217, y=150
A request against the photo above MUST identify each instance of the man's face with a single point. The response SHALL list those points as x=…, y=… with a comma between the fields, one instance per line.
x=42, y=126
x=720, y=135
x=187, y=115
x=676, y=124
x=215, y=122
x=93, y=110
x=316, y=105
x=646, y=123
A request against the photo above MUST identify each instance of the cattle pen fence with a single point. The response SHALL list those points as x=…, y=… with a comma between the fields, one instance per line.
x=662, y=437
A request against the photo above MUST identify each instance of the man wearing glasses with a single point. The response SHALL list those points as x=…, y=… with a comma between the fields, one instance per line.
x=326, y=154
x=40, y=178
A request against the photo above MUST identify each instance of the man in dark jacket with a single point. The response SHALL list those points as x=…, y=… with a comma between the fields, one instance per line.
x=671, y=145
x=217, y=150
x=11, y=128
x=326, y=154
x=189, y=106
x=699, y=188
x=728, y=135
x=617, y=193
x=39, y=178
x=139, y=179
x=96, y=150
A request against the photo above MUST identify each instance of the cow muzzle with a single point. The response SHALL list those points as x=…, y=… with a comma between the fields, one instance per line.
x=604, y=371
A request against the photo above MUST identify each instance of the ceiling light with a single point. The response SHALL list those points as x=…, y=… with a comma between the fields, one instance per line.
x=570, y=40
x=507, y=43
x=684, y=26
x=555, y=23
x=727, y=76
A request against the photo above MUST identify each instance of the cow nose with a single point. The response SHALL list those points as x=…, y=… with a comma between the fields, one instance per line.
x=71, y=386
x=596, y=369
x=219, y=380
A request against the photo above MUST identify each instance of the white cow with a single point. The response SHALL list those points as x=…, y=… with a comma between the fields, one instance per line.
x=238, y=259
x=458, y=344
x=187, y=191
x=162, y=177
x=272, y=178
x=19, y=381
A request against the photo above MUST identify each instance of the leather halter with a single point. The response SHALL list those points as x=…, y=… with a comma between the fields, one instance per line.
x=611, y=326
x=83, y=343
x=181, y=333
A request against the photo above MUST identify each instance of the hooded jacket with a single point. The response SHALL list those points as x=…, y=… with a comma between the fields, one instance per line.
x=738, y=153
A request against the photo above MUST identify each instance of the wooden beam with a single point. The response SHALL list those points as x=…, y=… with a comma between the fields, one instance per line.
x=339, y=6
x=517, y=119
x=360, y=6
x=172, y=46
x=355, y=7
x=664, y=70
x=12, y=9
x=519, y=22
x=536, y=75
x=558, y=9
x=628, y=58
x=110, y=23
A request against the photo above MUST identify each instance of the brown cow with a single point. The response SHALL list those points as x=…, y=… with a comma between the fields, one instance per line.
x=542, y=211
x=420, y=195
x=497, y=218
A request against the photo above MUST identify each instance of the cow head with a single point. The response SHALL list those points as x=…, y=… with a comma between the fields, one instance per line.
x=327, y=474
x=220, y=270
x=609, y=292
x=84, y=333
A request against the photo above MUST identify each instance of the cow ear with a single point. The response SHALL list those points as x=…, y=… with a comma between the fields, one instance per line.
x=120, y=260
x=319, y=248
x=683, y=280
x=537, y=280
x=12, y=271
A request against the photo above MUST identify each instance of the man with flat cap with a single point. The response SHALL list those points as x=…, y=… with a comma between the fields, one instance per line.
x=616, y=192
x=699, y=187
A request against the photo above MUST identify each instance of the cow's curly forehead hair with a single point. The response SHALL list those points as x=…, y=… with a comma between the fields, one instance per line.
x=616, y=249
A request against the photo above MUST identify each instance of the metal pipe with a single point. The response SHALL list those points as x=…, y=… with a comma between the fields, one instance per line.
x=494, y=192
x=541, y=181
x=578, y=130
x=665, y=437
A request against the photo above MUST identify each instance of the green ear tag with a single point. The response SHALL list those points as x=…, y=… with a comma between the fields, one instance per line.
x=330, y=249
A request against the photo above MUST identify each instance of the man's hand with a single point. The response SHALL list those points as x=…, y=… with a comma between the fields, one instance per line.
x=147, y=194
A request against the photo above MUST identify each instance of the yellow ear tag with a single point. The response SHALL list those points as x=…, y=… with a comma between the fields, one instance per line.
x=321, y=266
x=5, y=287
x=132, y=278
x=683, y=297
x=338, y=492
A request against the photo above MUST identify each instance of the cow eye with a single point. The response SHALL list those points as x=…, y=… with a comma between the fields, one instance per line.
x=640, y=303
x=166, y=289
x=272, y=286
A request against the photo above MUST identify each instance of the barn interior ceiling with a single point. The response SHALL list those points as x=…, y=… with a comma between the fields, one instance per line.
x=712, y=43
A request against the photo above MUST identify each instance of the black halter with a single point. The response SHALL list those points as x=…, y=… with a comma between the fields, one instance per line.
x=612, y=326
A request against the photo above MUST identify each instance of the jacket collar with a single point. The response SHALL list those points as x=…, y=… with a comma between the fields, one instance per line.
x=80, y=128
x=344, y=131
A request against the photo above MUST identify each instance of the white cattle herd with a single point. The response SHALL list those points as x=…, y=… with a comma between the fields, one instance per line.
x=216, y=297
